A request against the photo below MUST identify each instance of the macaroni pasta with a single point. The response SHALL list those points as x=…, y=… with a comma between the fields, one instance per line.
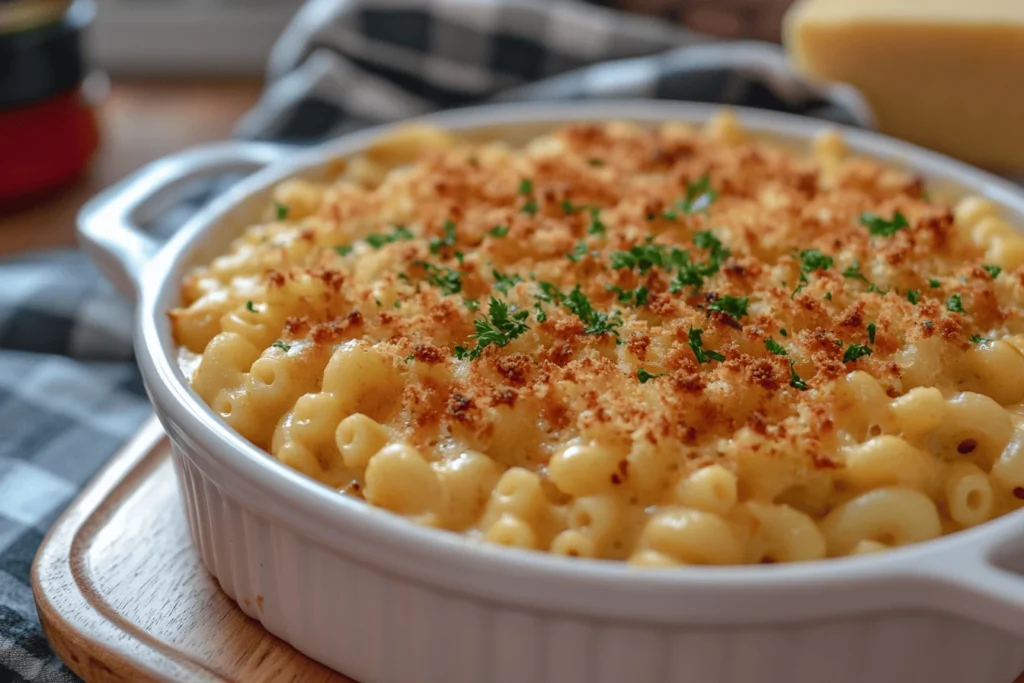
x=671, y=346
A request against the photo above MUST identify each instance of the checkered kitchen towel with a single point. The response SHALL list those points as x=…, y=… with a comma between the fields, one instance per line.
x=69, y=390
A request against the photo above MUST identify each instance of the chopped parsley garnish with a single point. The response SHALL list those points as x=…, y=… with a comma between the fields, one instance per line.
x=281, y=345
x=783, y=332
x=498, y=329
x=828, y=296
x=498, y=231
x=854, y=273
x=878, y=226
x=397, y=304
x=578, y=252
x=503, y=282
x=530, y=207
x=595, y=162
x=855, y=351
x=730, y=305
x=410, y=357
x=250, y=307
x=934, y=284
x=699, y=195
x=643, y=257
x=627, y=296
x=774, y=347
x=644, y=376
x=872, y=329
x=993, y=271
x=794, y=379
x=549, y=293
x=705, y=239
x=810, y=261
x=954, y=304
x=438, y=243
x=343, y=249
x=596, y=226
x=913, y=296
x=281, y=211
x=447, y=280
x=978, y=339
x=596, y=321
x=700, y=353
x=568, y=207
x=471, y=304
x=526, y=187
x=377, y=240
x=540, y=314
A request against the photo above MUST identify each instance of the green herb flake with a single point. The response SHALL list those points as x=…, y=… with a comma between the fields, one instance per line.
x=503, y=282
x=699, y=352
x=775, y=347
x=447, y=280
x=954, y=304
x=498, y=231
x=539, y=314
x=853, y=272
x=343, y=249
x=280, y=211
x=530, y=207
x=471, y=304
x=855, y=351
x=497, y=329
x=645, y=376
x=549, y=293
x=783, y=332
x=794, y=379
x=730, y=305
x=567, y=207
x=978, y=339
x=872, y=329
x=913, y=296
x=813, y=259
x=993, y=271
x=526, y=187
x=596, y=226
x=636, y=296
x=595, y=162
x=828, y=296
x=578, y=252
x=879, y=227
x=596, y=322
x=934, y=284
x=250, y=307
x=281, y=345
x=400, y=233
x=438, y=243
x=699, y=195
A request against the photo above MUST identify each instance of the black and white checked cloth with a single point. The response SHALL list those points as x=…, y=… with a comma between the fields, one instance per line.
x=69, y=390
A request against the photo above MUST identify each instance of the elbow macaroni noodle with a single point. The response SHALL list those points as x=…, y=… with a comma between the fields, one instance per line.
x=672, y=346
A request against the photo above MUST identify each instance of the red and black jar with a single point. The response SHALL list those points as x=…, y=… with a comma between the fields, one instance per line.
x=48, y=131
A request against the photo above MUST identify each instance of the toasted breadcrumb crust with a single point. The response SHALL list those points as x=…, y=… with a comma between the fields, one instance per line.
x=382, y=247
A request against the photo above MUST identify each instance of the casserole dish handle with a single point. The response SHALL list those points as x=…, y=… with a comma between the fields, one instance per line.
x=109, y=225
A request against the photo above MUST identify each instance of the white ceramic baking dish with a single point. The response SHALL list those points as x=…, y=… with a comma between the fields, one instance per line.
x=381, y=599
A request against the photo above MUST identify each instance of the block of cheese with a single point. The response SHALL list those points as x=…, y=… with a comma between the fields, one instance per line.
x=945, y=74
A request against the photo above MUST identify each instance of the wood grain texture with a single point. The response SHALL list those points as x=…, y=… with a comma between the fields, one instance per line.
x=123, y=596
x=140, y=121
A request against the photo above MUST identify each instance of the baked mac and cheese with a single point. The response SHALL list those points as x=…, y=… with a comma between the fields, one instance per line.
x=670, y=346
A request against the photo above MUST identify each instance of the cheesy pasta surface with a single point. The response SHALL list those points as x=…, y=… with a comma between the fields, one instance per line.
x=670, y=346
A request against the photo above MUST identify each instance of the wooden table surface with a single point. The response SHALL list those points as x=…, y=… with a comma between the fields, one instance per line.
x=140, y=121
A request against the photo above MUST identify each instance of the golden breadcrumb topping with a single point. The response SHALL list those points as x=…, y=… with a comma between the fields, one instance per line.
x=669, y=293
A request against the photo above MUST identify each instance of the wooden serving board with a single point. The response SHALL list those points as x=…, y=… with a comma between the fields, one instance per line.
x=123, y=596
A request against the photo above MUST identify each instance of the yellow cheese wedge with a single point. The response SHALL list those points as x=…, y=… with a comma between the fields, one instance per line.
x=946, y=74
